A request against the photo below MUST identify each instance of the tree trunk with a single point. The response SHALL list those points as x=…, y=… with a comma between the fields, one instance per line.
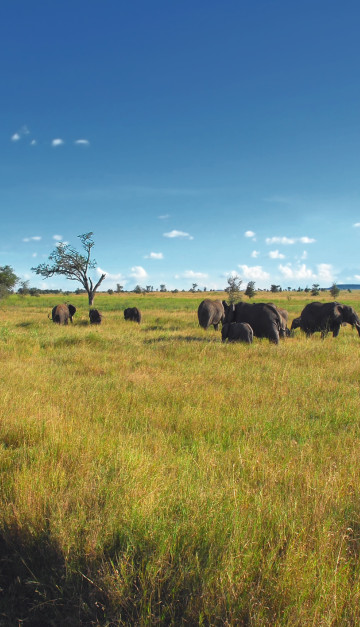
x=91, y=296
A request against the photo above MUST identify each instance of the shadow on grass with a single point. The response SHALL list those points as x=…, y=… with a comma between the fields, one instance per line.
x=37, y=589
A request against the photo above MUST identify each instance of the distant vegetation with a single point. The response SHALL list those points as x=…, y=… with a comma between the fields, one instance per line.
x=152, y=475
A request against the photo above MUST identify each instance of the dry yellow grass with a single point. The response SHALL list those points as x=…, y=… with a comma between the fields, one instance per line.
x=152, y=475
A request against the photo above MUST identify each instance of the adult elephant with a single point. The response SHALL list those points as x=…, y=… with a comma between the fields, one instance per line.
x=264, y=318
x=284, y=317
x=237, y=332
x=327, y=317
x=133, y=314
x=61, y=314
x=210, y=312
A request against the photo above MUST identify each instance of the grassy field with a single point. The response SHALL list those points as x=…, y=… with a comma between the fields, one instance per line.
x=153, y=476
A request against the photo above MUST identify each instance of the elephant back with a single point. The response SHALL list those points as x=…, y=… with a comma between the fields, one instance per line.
x=210, y=312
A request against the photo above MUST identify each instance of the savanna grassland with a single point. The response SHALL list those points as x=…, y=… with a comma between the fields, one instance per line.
x=153, y=476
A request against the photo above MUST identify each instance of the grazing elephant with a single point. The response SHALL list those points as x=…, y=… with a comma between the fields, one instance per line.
x=264, y=318
x=210, y=312
x=133, y=314
x=61, y=313
x=326, y=317
x=237, y=332
x=95, y=316
x=296, y=323
x=284, y=316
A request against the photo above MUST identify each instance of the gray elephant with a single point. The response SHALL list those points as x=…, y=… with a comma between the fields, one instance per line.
x=263, y=318
x=210, y=312
x=284, y=316
x=61, y=314
x=327, y=317
x=133, y=314
x=95, y=316
x=237, y=332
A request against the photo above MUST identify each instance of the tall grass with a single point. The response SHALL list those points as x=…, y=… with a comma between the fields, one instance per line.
x=154, y=476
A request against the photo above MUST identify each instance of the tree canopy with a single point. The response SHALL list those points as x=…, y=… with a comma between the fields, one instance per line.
x=68, y=262
x=8, y=279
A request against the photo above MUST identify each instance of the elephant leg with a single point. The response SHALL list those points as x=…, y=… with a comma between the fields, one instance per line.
x=336, y=330
x=216, y=326
x=274, y=335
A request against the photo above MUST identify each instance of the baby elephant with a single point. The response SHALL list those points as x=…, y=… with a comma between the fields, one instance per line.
x=237, y=332
x=132, y=313
x=95, y=316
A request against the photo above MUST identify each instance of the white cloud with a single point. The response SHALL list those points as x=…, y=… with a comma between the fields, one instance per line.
x=325, y=272
x=175, y=233
x=274, y=254
x=82, y=142
x=137, y=272
x=255, y=253
x=57, y=142
x=34, y=238
x=58, y=238
x=15, y=137
x=154, y=256
x=304, y=255
x=190, y=274
x=164, y=217
x=113, y=277
x=249, y=234
x=33, y=142
x=280, y=240
x=34, y=255
x=289, y=240
x=356, y=225
x=253, y=272
x=301, y=272
x=357, y=276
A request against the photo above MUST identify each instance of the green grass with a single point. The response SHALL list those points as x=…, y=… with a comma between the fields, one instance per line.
x=152, y=475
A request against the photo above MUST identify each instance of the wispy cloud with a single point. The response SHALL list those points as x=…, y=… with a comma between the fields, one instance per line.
x=324, y=272
x=164, y=217
x=57, y=142
x=109, y=275
x=19, y=134
x=175, y=233
x=289, y=240
x=249, y=234
x=253, y=272
x=356, y=225
x=274, y=254
x=255, y=253
x=34, y=238
x=137, y=272
x=82, y=142
x=154, y=256
x=190, y=274
x=58, y=238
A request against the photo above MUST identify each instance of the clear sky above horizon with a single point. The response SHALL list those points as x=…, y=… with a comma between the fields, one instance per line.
x=195, y=139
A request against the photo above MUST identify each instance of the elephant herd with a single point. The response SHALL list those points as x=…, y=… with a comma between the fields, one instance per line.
x=243, y=321
x=61, y=314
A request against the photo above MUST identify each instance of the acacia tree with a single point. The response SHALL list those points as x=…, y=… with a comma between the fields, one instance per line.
x=68, y=262
x=7, y=280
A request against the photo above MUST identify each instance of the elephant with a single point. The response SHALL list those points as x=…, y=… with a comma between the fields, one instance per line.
x=296, y=323
x=264, y=318
x=210, y=312
x=284, y=316
x=95, y=316
x=326, y=317
x=133, y=314
x=237, y=332
x=61, y=313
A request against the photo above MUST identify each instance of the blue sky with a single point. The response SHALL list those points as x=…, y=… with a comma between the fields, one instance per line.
x=194, y=139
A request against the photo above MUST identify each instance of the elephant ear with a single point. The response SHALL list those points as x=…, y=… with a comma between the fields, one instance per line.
x=72, y=309
x=339, y=311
